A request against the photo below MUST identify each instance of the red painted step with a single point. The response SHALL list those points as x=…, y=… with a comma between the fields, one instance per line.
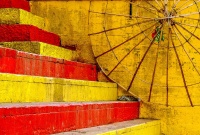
x=17, y=62
x=47, y=118
x=23, y=4
x=18, y=32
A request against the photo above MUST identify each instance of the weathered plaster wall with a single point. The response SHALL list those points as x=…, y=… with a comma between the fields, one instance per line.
x=69, y=19
x=174, y=120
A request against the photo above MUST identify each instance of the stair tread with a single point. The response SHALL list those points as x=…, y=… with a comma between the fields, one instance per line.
x=22, y=32
x=109, y=127
x=41, y=48
x=20, y=16
x=42, y=104
x=26, y=88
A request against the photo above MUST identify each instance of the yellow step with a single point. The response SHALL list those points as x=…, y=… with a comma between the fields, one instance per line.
x=132, y=127
x=22, y=88
x=42, y=49
x=20, y=16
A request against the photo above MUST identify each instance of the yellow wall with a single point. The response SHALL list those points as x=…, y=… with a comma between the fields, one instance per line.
x=174, y=120
x=69, y=19
x=23, y=88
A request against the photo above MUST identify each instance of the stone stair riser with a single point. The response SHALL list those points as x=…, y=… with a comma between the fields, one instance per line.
x=20, y=16
x=12, y=61
x=22, y=4
x=42, y=49
x=21, y=88
x=19, y=32
x=65, y=117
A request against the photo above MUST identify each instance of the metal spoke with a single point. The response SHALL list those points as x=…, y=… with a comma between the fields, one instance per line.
x=182, y=73
x=185, y=50
x=195, y=26
x=167, y=71
x=158, y=4
x=143, y=17
x=143, y=59
x=155, y=65
x=190, y=18
x=127, y=55
x=126, y=41
x=187, y=31
x=147, y=21
x=162, y=3
x=175, y=4
x=183, y=15
x=104, y=28
x=147, y=9
x=188, y=6
x=138, y=5
x=183, y=4
x=153, y=6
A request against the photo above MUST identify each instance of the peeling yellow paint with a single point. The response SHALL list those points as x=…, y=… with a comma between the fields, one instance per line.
x=20, y=88
x=42, y=49
x=20, y=16
x=69, y=19
x=174, y=120
x=72, y=25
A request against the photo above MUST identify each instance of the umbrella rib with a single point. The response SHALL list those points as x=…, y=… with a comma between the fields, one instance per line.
x=185, y=50
x=167, y=71
x=153, y=6
x=143, y=59
x=187, y=30
x=187, y=25
x=188, y=6
x=182, y=73
x=126, y=55
x=183, y=4
x=120, y=15
x=146, y=21
x=125, y=41
x=155, y=65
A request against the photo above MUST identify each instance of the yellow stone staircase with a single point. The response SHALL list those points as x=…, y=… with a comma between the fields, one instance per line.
x=44, y=92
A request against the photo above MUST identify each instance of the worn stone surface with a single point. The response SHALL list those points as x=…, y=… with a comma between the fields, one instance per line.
x=23, y=4
x=20, y=16
x=23, y=88
x=42, y=49
x=133, y=127
x=174, y=120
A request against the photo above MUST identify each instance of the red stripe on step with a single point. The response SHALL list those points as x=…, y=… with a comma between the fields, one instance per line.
x=22, y=4
x=17, y=62
x=17, y=32
x=60, y=117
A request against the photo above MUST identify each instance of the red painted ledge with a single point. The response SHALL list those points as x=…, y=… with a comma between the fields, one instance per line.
x=17, y=62
x=18, y=32
x=22, y=4
x=48, y=118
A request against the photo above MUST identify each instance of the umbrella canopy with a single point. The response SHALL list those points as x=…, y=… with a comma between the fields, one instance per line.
x=149, y=48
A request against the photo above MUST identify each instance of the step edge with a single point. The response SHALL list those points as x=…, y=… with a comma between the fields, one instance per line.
x=19, y=13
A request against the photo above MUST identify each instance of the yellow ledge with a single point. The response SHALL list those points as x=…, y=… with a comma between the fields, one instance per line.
x=42, y=49
x=131, y=127
x=21, y=88
x=148, y=128
x=19, y=16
